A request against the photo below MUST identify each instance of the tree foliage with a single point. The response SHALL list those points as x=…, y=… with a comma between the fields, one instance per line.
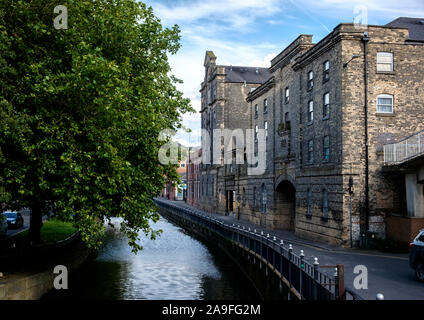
x=81, y=109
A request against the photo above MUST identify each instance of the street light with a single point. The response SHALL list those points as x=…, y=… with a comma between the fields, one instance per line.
x=353, y=57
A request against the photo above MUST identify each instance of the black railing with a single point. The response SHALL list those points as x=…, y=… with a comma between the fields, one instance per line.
x=306, y=280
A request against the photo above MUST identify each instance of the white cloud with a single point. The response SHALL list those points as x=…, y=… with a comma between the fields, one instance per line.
x=226, y=26
x=235, y=12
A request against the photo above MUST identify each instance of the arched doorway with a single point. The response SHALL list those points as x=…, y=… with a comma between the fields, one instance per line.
x=285, y=206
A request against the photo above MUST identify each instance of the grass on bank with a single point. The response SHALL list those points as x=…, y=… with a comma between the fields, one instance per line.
x=53, y=230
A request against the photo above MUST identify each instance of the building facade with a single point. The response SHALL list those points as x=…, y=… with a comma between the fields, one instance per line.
x=327, y=108
x=223, y=107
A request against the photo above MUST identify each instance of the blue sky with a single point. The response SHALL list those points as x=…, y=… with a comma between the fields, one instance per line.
x=252, y=32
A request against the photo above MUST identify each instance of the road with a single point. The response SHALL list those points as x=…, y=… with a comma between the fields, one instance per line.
x=388, y=273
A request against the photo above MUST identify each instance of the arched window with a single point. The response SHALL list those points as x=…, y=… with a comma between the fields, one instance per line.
x=384, y=103
x=263, y=198
x=309, y=202
x=325, y=204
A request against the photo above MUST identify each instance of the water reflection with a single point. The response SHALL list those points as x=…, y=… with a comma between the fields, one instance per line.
x=175, y=266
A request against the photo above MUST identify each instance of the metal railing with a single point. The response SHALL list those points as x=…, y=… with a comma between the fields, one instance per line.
x=406, y=149
x=307, y=280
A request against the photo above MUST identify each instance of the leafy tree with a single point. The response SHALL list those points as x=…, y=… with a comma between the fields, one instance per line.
x=80, y=112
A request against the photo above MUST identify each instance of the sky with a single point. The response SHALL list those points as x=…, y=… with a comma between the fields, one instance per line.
x=252, y=32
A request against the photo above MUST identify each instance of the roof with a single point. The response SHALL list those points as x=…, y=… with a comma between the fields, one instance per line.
x=414, y=25
x=248, y=74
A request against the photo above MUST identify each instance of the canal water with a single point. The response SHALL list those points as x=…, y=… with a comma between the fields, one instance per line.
x=175, y=266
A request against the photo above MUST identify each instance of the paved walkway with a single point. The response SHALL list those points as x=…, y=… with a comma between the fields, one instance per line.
x=389, y=274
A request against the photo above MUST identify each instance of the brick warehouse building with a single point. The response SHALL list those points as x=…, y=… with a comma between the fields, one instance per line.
x=313, y=106
x=223, y=106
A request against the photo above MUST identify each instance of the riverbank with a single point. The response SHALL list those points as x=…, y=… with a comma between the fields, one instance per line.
x=35, y=277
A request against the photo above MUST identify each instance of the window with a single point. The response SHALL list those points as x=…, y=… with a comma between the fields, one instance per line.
x=325, y=204
x=310, y=111
x=384, y=62
x=243, y=197
x=311, y=151
x=310, y=84
x=213, y=187
x=265, y=105
x=326, y=148
x=286, y=95
x=385, y=103
x=256, y=110
x=254, y=196
x=326, y=107
x=256, y=133
x=266, y=129
x=326, y=74
x=287, y=121
x=263, y=198
x=309, y=202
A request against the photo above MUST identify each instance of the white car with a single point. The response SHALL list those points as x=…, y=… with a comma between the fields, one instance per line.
x=3, y=225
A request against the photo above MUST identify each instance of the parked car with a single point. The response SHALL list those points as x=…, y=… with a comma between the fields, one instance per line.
x=14, y=219
x=416, y=255
x=3, y=226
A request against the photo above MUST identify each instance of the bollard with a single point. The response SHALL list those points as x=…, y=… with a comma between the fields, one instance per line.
x=316, y=278
x=267, y=235
x=379, y=296
x=262, y=233
x=302, y=258
x=336, y=284
x=275, y=238
x=282, y=242
x=302, y=265
x=290, y=264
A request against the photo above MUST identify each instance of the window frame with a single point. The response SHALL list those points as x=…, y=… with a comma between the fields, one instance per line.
x=310, y=111
x=309, y=202
x=263, y=199
x=310, y=151
x=385, y=96
x=326, y=106
x=324, y=148
x=266, y=129
x=325, y=204
x=326, y=72
x=265, y=105
x=286, y=95
x=310, y=83
x=380, y=53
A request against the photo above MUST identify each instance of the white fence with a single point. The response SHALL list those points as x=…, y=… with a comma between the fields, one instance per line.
x=409, y=148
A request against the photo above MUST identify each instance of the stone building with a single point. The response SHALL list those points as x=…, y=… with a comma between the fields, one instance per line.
x=223, y=106
x=329, y=108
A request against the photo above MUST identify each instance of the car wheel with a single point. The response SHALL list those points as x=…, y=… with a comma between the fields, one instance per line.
x=419, y=272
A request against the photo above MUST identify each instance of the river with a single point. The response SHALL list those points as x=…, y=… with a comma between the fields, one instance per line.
x=175, y=266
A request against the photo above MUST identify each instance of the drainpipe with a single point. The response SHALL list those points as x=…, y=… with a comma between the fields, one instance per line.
x=365, y=39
